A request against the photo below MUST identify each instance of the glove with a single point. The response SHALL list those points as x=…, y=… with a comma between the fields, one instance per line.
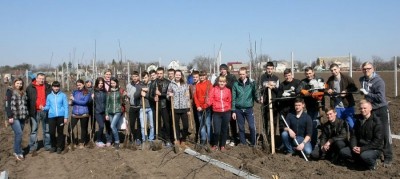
x=292, y=88
x=305, y=92
x=363, y=91
x=286, y=94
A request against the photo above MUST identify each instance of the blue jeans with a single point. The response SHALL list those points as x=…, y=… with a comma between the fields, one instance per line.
x=41, y=116
x=205, y=124
x=316, y=123
x=18, y=127
x=149, y=115
x=346, y=114
x=290, y=143
x=114, y=128
x=100, y=121
x=241, y=116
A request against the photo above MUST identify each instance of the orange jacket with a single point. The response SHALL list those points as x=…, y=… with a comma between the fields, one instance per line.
x=201, y=94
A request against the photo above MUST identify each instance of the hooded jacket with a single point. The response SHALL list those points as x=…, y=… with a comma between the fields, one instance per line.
x=220, y=99
x=57, y=105
x=243, y=94
x=134, y=94
x=375, y=86
x=31, y=93
x=181, y=95
x=80, y=102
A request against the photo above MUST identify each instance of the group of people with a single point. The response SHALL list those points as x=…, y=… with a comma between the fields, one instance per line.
x=226, y=104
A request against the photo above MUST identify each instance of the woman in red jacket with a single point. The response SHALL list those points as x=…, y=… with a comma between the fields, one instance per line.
x=220, y=99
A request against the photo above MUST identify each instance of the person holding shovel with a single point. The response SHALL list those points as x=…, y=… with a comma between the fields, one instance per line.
x=79, y=100
x=57, y=107
x=17, y=112
x=179, y=90
x=220, y=98
x=202, y=91
x=115, y=108
x=244, y=94
x=133, y=94
x=144, y=89
x=99, y=97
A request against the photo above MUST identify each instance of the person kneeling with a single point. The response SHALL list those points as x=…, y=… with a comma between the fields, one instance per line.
x=333, y=137
x=366, y=142
x=298, y=130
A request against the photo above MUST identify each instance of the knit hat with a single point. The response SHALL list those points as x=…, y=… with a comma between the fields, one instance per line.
x=223, y=66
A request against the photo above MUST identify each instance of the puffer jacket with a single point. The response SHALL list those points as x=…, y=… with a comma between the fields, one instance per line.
x=220, y=99
x=181, y=95
x=114, y=101
x=57, y=105
x=201, y=93
x=243, y=94
x=80, y=102
x=375, y=86
x=100, y=97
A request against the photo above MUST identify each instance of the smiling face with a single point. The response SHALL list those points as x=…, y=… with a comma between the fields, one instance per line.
x=242, y=74
x=269, y=70
x=288, y=77
x=79, y=85
x=113, y=84
x=331, y=114
x=40, y=79
x=196, y=78
x=107, y=76
x=18, y=85
x=309, y=74
x=160, y=74
x=298, y=106
x=178, y=76
x=365, y=108
x=335, y=71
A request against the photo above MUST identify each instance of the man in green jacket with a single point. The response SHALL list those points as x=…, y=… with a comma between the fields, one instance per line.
x=243, y=97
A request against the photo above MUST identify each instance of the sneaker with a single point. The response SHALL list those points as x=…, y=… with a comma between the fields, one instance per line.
x=138, y=142
x=116, y=146
x=214, y=148
x=108, y=144
x=223, y=149
x=59, y=150
x=232, y=143
x=168, y=144
x=52, y=150
x=100, y=144
x=228, y=141
x=19, y=157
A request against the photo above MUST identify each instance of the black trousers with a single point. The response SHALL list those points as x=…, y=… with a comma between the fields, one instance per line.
x=367, y=157
x=57, y=124
x=382, y=113
x=164, y=113
x=334, y=150
x=181, y=115
x=84, y=129
x=134, y=113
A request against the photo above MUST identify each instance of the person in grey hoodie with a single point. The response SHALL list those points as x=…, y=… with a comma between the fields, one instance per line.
x=373, y=89
x=133, y=94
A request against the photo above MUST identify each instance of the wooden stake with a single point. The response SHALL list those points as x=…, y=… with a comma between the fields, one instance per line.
x=271, y=122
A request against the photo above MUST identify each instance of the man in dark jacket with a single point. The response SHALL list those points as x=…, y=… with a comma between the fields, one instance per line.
x=158, y=93
x=366, y=140
x=333, y=137
x=134, y=110
x=37, y=92
x=340, y=88
x=373, y=89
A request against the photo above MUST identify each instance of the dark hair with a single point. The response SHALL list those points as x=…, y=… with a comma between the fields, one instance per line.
x=116, y=81
x=203, y=73
x=171, y=69
x=308, y=69
x=135, y=73
x=152, y=71
x=195, y=72
x=333, y=65
x=182, y=80
x=84, y=90
x=269, y=64
x=243, y=69
x=144, y=74
x=19, y=79
x=96, y=84
x=55, y=84
x=287, y=71
x=160, y=69
x=327, y=109
x=299, y=100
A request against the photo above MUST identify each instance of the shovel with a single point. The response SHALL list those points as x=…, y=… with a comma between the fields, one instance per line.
x=91, y=143
x=145, y=145
x=157, y=144
x=192, y=135
x=128, y=132
x=176, y=146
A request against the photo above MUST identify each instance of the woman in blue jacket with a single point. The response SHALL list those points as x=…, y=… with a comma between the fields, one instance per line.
x=57, y=105
x=79, y=100
x=17, y=113
x=99, y=97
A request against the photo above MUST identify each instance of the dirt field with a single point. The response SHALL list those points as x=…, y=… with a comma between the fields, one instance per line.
x=125, y=163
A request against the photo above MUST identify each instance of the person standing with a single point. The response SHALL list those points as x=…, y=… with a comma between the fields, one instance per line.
x=133, y=94
x=180, y=93
x=17, y=112
x=192, y=86
x=79, y=100
x=114, y=109
x=158, y=93
x=144, y=89
x=373, y=89
x=202, y=91
x=220, y=98
x=299, y=127
x=289, y=88
x=366, y=142
x=244, y=93
x=99, y=97
x=340, y=88
x=107, y=79
x=37, y=92
x=57, y=107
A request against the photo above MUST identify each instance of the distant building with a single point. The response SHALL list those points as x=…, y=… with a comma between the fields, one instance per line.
x=174, y=64
x=323, y=63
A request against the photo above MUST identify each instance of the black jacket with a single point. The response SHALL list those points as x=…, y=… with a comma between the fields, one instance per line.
x=346, y=84
x=265, y=78
x=311, y=103
x=367, y=134
x=32, y=96
x=287, y=105
x=162, y=86
x=230, y=80
x=335, y=131
x=100, y=101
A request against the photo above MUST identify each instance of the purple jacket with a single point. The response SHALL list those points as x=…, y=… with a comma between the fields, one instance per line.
x=80, y=102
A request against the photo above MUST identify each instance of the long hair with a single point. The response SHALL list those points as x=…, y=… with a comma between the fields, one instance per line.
x=20, y=91
x=96, y=84
x=116, y=81
x=84, y=89
x=182, y=80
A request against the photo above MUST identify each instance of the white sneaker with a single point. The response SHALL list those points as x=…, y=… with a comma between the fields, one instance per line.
x=232, y=144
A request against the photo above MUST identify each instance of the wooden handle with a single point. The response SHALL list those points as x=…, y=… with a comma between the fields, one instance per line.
x=173, y=117
x=271, y=122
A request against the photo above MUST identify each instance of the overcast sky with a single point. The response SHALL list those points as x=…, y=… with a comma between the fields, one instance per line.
x=31, y=31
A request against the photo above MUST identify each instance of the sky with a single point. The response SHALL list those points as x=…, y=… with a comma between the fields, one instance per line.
x=51, y=32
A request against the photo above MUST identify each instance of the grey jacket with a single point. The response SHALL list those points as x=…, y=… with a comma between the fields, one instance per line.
x=181, y=95
x=375, y=86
